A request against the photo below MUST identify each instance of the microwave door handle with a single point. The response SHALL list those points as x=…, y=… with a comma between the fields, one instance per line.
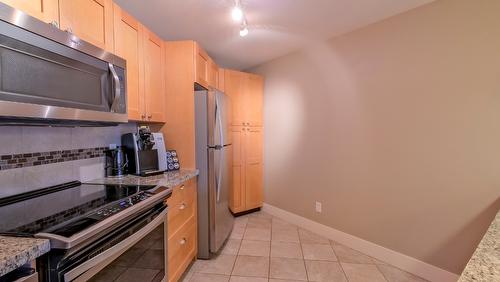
x=117, y=88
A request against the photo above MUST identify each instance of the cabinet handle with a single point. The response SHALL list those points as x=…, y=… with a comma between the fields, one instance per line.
x=183, y=241
x=182, y=187
x=54, y=24
x=182, y=206
x=143, y=116
x=150, y=116
x=243, y=123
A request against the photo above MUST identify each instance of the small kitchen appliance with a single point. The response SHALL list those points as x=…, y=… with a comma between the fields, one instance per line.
x=50, y=76
x=160, y=148
x=139, y=148
x=116, y=162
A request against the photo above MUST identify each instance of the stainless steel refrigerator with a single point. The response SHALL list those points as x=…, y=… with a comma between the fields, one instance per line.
x=214, y=156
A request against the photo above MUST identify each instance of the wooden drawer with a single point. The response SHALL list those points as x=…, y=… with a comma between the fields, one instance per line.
x=181, y=210
x=181, y=249
x=181, y=192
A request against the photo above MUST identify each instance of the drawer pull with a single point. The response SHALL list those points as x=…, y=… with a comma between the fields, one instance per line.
x=182, y=206
x=182, y=187
x=183, y=241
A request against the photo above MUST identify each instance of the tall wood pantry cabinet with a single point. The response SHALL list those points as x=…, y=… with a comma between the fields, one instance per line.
x=246, y=91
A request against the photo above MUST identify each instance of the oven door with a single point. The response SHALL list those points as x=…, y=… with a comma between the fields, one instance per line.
x=138, y=249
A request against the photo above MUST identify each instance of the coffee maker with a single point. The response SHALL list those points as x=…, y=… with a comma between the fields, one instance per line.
x=139, y=148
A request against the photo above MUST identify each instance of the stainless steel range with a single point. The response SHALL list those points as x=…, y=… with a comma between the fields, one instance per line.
x=96, y=232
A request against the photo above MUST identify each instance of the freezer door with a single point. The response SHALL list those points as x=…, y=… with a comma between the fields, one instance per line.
x=219, y=119
x=220, y=179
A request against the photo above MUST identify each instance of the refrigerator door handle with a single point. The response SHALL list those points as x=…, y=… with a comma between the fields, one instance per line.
x=219, y=177
x=218, y=115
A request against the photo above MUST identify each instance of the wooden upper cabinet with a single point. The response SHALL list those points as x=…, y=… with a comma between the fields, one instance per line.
x=221, y=81
x=253, y=99
x=201, y=67
x=91, y=20
x=213, y=75
x=128, y=45
x=44, y=10
x=246, y=91
x=154, y=88
x=234, y=86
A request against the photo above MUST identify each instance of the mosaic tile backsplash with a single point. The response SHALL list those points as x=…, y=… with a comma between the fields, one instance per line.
x=42, y=158
x=37, y=157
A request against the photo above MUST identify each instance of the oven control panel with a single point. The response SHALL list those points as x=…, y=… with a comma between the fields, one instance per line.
x=120, y=206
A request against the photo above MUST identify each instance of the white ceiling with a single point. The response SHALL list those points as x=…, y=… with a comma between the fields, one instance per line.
x=277, y=27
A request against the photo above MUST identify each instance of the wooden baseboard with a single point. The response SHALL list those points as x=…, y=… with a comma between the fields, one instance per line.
x=402, y=261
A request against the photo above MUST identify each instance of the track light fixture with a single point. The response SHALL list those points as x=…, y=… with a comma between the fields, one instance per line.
x=237, y=12
x=238, y=16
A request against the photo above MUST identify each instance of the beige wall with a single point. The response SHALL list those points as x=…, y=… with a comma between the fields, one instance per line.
x=395, y=128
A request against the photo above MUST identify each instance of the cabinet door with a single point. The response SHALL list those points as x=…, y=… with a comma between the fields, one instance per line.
x=237, y=191
x=253, y=168
x=154, y=87
x=221, y=81
x=202, y=65
x=213, y=75
x=128, y=39
x=91, y=20
x=234, y=86
x=44, y=10
x=253, y=99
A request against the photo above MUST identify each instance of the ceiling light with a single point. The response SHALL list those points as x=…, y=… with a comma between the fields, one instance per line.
x=243, y=31
x=237, y=13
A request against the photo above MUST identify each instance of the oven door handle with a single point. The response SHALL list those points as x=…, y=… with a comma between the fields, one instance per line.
x=91, y=267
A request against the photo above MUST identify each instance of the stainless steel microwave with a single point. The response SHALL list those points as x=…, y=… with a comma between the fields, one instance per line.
x=49, y=76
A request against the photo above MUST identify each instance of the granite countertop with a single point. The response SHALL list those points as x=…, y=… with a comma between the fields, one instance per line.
x=167, y=179
x=16, y=251
x=485, y=262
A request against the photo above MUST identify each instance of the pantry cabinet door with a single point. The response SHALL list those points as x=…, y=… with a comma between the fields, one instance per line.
x=91, y=20
x=154, y=87
x=129, y=38
x=44, y=10
x=237, y=191
x=234, y=84
x=253, y=168
x=221, y=85
x=213, y=75
x=202, y=67
x=253, y=98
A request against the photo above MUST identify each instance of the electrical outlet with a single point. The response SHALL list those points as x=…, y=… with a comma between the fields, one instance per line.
x=318, y=207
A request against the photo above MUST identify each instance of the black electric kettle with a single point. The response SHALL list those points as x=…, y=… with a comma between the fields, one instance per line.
x=116, y=162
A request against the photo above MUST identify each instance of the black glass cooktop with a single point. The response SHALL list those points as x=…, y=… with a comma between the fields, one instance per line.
x=60, y=209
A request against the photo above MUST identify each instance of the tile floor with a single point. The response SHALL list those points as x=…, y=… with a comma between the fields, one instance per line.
x=265, y=248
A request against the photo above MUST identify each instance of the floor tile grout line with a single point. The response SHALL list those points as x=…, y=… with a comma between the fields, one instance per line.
x=303, y=258
x=238, y=252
